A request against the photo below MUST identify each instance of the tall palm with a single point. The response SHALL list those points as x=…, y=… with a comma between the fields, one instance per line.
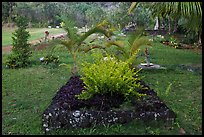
x=191, y=11
x=181, y=9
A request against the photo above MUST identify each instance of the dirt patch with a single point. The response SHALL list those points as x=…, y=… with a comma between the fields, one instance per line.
x=8, y=48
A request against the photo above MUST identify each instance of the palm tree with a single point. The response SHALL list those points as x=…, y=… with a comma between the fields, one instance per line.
x=75, y=42
x=128, y=51
x=191, y=11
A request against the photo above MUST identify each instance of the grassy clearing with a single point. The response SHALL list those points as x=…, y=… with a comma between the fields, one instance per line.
x=26, y=93
x=36, y=33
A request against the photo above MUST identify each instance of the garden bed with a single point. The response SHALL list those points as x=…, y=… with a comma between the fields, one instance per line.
x=66, y=111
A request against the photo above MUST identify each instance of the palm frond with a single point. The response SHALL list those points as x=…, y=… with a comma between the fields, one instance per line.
x=138, y=42
x=93, y=47
x=119, y=44
x=132, y=7
x=70, y=28
x=132, y=36
x=67, y=43
x=96, y=29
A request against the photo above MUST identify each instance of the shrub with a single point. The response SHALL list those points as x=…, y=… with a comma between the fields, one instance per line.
x=109, y=76
x=21, y=48
x=16, y=61
x=50, y=59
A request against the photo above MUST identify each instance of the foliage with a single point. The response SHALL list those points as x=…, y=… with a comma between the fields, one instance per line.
x=16, y=61
x=129, y=49
x=189, y=11
x=190, y=36
x=170, y=40
x=50, y=59
x=75, y=42
x=95, y=14
x=21, y=49
x=118, y=18
x=39, y=14
x=7, y=11
x=109, y=76
x=84, y=13
x=132, y=7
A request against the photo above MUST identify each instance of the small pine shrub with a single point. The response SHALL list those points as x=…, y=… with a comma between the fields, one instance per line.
x=21, y=48
x=109, y=76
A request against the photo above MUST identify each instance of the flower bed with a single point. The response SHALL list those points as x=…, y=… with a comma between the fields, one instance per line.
x=67, y=111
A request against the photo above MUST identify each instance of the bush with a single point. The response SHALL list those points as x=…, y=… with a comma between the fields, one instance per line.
x=21, y=47
x=108, y=75
x=50, y=59
x=16, y=61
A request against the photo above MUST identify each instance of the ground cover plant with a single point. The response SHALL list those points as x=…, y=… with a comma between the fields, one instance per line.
x=109, y=77
x=173, y=85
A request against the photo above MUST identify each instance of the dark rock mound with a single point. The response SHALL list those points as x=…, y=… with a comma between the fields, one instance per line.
x=67, y=111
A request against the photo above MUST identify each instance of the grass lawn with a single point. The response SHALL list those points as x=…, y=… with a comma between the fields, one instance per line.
x=36, y=33
x=27, y=92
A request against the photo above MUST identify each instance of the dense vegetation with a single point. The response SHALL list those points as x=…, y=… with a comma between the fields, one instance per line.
x=112, y=39
x=43, y=14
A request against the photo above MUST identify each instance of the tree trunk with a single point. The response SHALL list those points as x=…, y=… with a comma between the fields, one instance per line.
x=200, y=39
x=157, y=24
x=175, y=26
x=169, y=23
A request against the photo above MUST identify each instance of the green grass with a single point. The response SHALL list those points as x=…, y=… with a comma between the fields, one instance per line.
x=36, y=33
x=27, y=92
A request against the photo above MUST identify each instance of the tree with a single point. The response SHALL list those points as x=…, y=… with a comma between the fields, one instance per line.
x=75, y=42
x=94, y=15
x=7, y=11
x=191, y=11
x=21, y=48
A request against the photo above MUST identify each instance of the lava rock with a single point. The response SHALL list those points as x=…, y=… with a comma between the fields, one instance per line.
x=66, y=111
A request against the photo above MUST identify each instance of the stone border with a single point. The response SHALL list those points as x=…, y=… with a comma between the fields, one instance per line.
x=55, y=117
